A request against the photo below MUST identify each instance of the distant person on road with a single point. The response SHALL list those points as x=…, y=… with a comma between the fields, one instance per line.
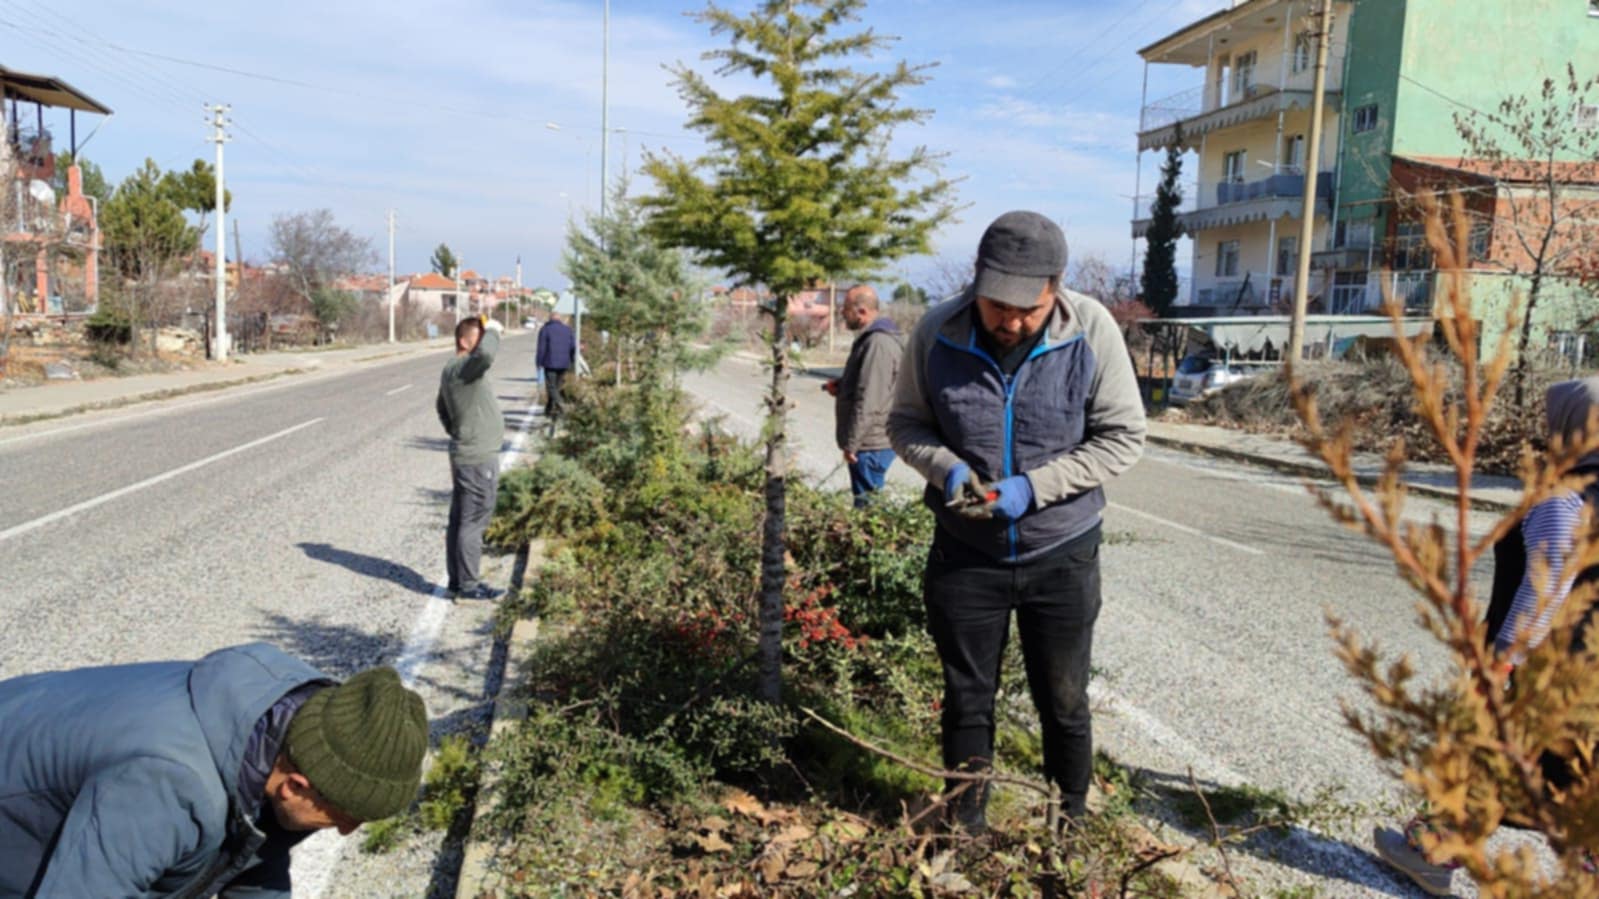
x=556, y=355
x=865, y=392
x=1549, y=532
x=194, y=778
x=471, y=415
x=1017, y=402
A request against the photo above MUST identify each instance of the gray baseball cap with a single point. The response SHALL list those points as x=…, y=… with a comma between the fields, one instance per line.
x=1017, y=256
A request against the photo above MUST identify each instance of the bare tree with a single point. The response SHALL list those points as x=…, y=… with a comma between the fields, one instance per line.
x=1094, y=276
x=314, y=249
x=1542, y=154
x=949, y=276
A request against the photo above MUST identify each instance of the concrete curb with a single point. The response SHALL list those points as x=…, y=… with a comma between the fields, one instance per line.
x=1315, y=470
x=171, y=393
x=310, y=365
x=478, y=869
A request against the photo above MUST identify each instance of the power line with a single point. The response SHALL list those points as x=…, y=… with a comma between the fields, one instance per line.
x=1104, y=57
x=125, y=72
x=406, y=102
x=1086, y=46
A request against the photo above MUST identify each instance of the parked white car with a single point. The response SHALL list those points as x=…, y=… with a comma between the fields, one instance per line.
x=1199, y=374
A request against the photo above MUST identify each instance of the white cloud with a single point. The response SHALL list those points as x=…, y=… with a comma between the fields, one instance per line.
x=1001, y=82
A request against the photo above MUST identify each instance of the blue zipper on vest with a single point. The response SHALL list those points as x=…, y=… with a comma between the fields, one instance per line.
x=1008, y=382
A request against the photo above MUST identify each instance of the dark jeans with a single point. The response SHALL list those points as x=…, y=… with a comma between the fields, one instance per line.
x=867, y=472
x=471, y=503
x=553, y=402
x=1056, y=599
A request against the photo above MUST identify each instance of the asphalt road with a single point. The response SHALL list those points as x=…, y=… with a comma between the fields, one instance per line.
x=1212, y=639
x=309, y=514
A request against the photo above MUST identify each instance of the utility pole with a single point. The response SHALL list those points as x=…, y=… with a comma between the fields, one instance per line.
x=389, y=291
x=219, y=123
x=1307, y=219
x=605, y=155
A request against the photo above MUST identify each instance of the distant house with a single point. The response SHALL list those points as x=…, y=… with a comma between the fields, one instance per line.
x=434, y=292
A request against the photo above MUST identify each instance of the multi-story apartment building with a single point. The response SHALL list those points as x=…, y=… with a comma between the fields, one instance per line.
x=1247, y=123
x=1399, y=73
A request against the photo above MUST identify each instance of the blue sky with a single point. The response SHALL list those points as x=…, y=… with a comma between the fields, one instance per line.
x=439, y=110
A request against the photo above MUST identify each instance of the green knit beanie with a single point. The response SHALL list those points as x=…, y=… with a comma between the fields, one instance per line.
x=361, y=744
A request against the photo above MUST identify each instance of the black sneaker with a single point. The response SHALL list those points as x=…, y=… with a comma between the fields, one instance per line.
x=479, y=591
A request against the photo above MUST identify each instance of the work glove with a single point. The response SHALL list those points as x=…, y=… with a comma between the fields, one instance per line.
x=964, y=493
x=1014, y=498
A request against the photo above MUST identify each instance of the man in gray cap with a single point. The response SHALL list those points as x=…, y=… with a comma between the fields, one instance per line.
x=194, y=778
x=1016, y=401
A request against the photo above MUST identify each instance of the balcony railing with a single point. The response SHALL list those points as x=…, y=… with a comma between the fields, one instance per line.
x=1175, y=108
x=1203, y=109
x=1286, y=184
x=1146, y=202
x=1254, y=289
x=1412, y=290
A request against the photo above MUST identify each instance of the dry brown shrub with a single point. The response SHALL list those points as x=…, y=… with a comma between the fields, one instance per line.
x=1468, y=745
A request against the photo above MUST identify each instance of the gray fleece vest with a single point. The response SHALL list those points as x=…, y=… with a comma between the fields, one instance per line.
x=1003, y=426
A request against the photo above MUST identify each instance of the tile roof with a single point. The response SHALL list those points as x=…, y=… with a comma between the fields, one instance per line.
x=432, y=281
x=1516, y=171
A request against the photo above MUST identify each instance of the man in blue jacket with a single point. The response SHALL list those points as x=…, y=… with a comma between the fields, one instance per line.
x=194, y=779
x=1017, y=402
x=557, y=354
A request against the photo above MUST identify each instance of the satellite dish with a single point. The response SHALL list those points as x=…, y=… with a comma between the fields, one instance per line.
x=42, y=191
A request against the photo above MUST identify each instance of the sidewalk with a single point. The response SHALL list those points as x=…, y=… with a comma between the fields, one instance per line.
x=55, y=399
x=1489, y=492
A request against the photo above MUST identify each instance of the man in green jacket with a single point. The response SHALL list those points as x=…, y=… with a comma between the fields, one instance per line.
x=471, y=415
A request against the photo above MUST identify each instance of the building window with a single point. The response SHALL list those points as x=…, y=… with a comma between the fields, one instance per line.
x=1305, y=50
x=1410, y=247
x=1243, y=74
x=1353, y=235
x=1287, y=256
x=1480, y=242
x=1227, y=259
x=1232, y=166
x=1366, y=118
x=448, y=301
x=1294, y=153
x=1348, y=293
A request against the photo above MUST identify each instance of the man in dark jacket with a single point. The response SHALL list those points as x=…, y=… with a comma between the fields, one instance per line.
x=471, y=415
x=865, y=392
x=194, y=779
x=1017, y=401
x=556, y=355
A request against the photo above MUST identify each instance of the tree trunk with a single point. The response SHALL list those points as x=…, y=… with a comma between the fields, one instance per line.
x=1519, y=375
x=774, y=571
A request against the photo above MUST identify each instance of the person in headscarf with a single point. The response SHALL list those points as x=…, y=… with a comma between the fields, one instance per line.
x=1548, y=533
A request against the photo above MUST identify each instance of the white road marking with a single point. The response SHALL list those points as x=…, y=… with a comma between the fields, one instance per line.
x=319, y=855
x=398, y=390
x=102, y=499
x=425, y=633
x=1336, y=855
x=1220, y=541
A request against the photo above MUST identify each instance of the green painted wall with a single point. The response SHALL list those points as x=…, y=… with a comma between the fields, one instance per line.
x=1376, y=38
x=1420, y=60
x=1479, y=52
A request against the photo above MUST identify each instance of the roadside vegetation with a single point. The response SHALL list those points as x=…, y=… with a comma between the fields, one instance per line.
x=1375, y=401
x=1477, y=746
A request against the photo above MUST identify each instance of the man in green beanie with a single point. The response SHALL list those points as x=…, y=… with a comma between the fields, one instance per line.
x=194, y=779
